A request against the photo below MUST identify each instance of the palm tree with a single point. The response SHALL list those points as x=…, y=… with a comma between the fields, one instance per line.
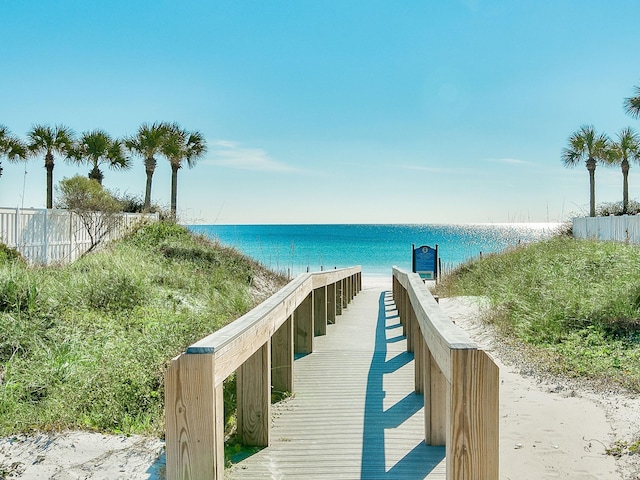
x=11, y=147
x=632, y=104
x=586, y=144
x=96, y=148
x=181, y=145
x=48, y=140
x=148, y=143
x=626, y=148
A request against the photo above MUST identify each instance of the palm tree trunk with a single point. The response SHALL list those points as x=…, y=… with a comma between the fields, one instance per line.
x=625, y=185
x=48, y=164
x=591, y=166
x=96, y=174
x=174, y=189
x=150, y=167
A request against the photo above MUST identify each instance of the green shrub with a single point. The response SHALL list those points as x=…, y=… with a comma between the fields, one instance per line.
x=8, y=254
x=576, y=298
x=86, y=345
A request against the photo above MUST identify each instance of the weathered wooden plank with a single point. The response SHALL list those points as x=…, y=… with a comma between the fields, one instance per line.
x=331, y=303
x=303, y=326
x=345, y=293
x=254, y=398
x=194, y=416
x=410, y=330
x=321, y=279
x=436, y=400
x=282, y=358
x=472, y=440
x=320, y=311
x=419, y=349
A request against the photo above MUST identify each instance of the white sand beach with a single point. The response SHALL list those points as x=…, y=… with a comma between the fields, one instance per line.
x=551, y=428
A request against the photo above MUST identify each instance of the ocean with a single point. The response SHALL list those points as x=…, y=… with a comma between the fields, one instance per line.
x=295, y=249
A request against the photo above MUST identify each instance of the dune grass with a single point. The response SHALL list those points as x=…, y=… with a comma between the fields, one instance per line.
x=86, y=345
x=575, y=301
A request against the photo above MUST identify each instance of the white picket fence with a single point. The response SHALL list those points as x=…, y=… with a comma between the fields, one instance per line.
x=624, y=228
x=53, y=236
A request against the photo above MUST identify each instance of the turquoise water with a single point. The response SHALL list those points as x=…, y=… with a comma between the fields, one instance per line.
x=294, y=249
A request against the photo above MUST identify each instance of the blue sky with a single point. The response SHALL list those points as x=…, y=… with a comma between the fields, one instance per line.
x=332, y=111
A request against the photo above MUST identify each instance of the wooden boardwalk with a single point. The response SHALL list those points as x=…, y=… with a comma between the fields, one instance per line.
x=354, y=414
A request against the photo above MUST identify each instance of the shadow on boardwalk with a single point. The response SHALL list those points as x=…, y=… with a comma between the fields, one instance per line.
x=380, y=423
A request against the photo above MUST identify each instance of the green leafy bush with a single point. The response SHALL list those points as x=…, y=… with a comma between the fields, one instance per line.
x=8, y=254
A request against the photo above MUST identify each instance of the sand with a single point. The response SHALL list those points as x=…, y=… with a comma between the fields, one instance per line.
x=552, y=428
x=549, y=428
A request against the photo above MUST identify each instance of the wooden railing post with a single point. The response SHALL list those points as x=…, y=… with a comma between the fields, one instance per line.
x=320, y=311
x=345, y=294
x=254, y=398
x=402, y=310
x=303, y=326
x=472, y=450
x=419, y=346
x=436, y=396
x=195, y=419
x=354, y=287
x=282, y=358
x=411, y=325
x=339, y=294
x=331, y=303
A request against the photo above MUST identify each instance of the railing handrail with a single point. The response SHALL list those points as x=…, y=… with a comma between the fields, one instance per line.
x=453, y=336
x=441, y=334
x=259, y=346
x=459, y=380
x=294, y=292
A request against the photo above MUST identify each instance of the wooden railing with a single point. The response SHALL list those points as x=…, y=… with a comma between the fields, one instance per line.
x=459, y=381
x=259, y=347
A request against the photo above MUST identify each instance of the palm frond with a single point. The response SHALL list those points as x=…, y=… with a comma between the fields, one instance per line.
x=632, y=104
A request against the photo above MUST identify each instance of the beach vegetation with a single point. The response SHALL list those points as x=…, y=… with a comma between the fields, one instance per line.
x=47, y=140
x=85, y=346
x=616, y=208
x=93, y=204
x=8, y=254
x=574, y=303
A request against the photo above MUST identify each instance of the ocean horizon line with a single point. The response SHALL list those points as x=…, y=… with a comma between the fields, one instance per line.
x=498, y=224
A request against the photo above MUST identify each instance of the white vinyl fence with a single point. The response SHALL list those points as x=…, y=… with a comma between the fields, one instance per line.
x=58, y=236
x=625, y=228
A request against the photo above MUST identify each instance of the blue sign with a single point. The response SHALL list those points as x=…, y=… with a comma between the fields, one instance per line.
x=425, y=261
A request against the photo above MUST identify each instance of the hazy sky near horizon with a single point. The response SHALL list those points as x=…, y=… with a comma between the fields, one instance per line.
x=333, y=111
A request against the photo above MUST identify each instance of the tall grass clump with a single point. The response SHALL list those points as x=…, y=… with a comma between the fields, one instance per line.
x=578, y=300
x=86, y=345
